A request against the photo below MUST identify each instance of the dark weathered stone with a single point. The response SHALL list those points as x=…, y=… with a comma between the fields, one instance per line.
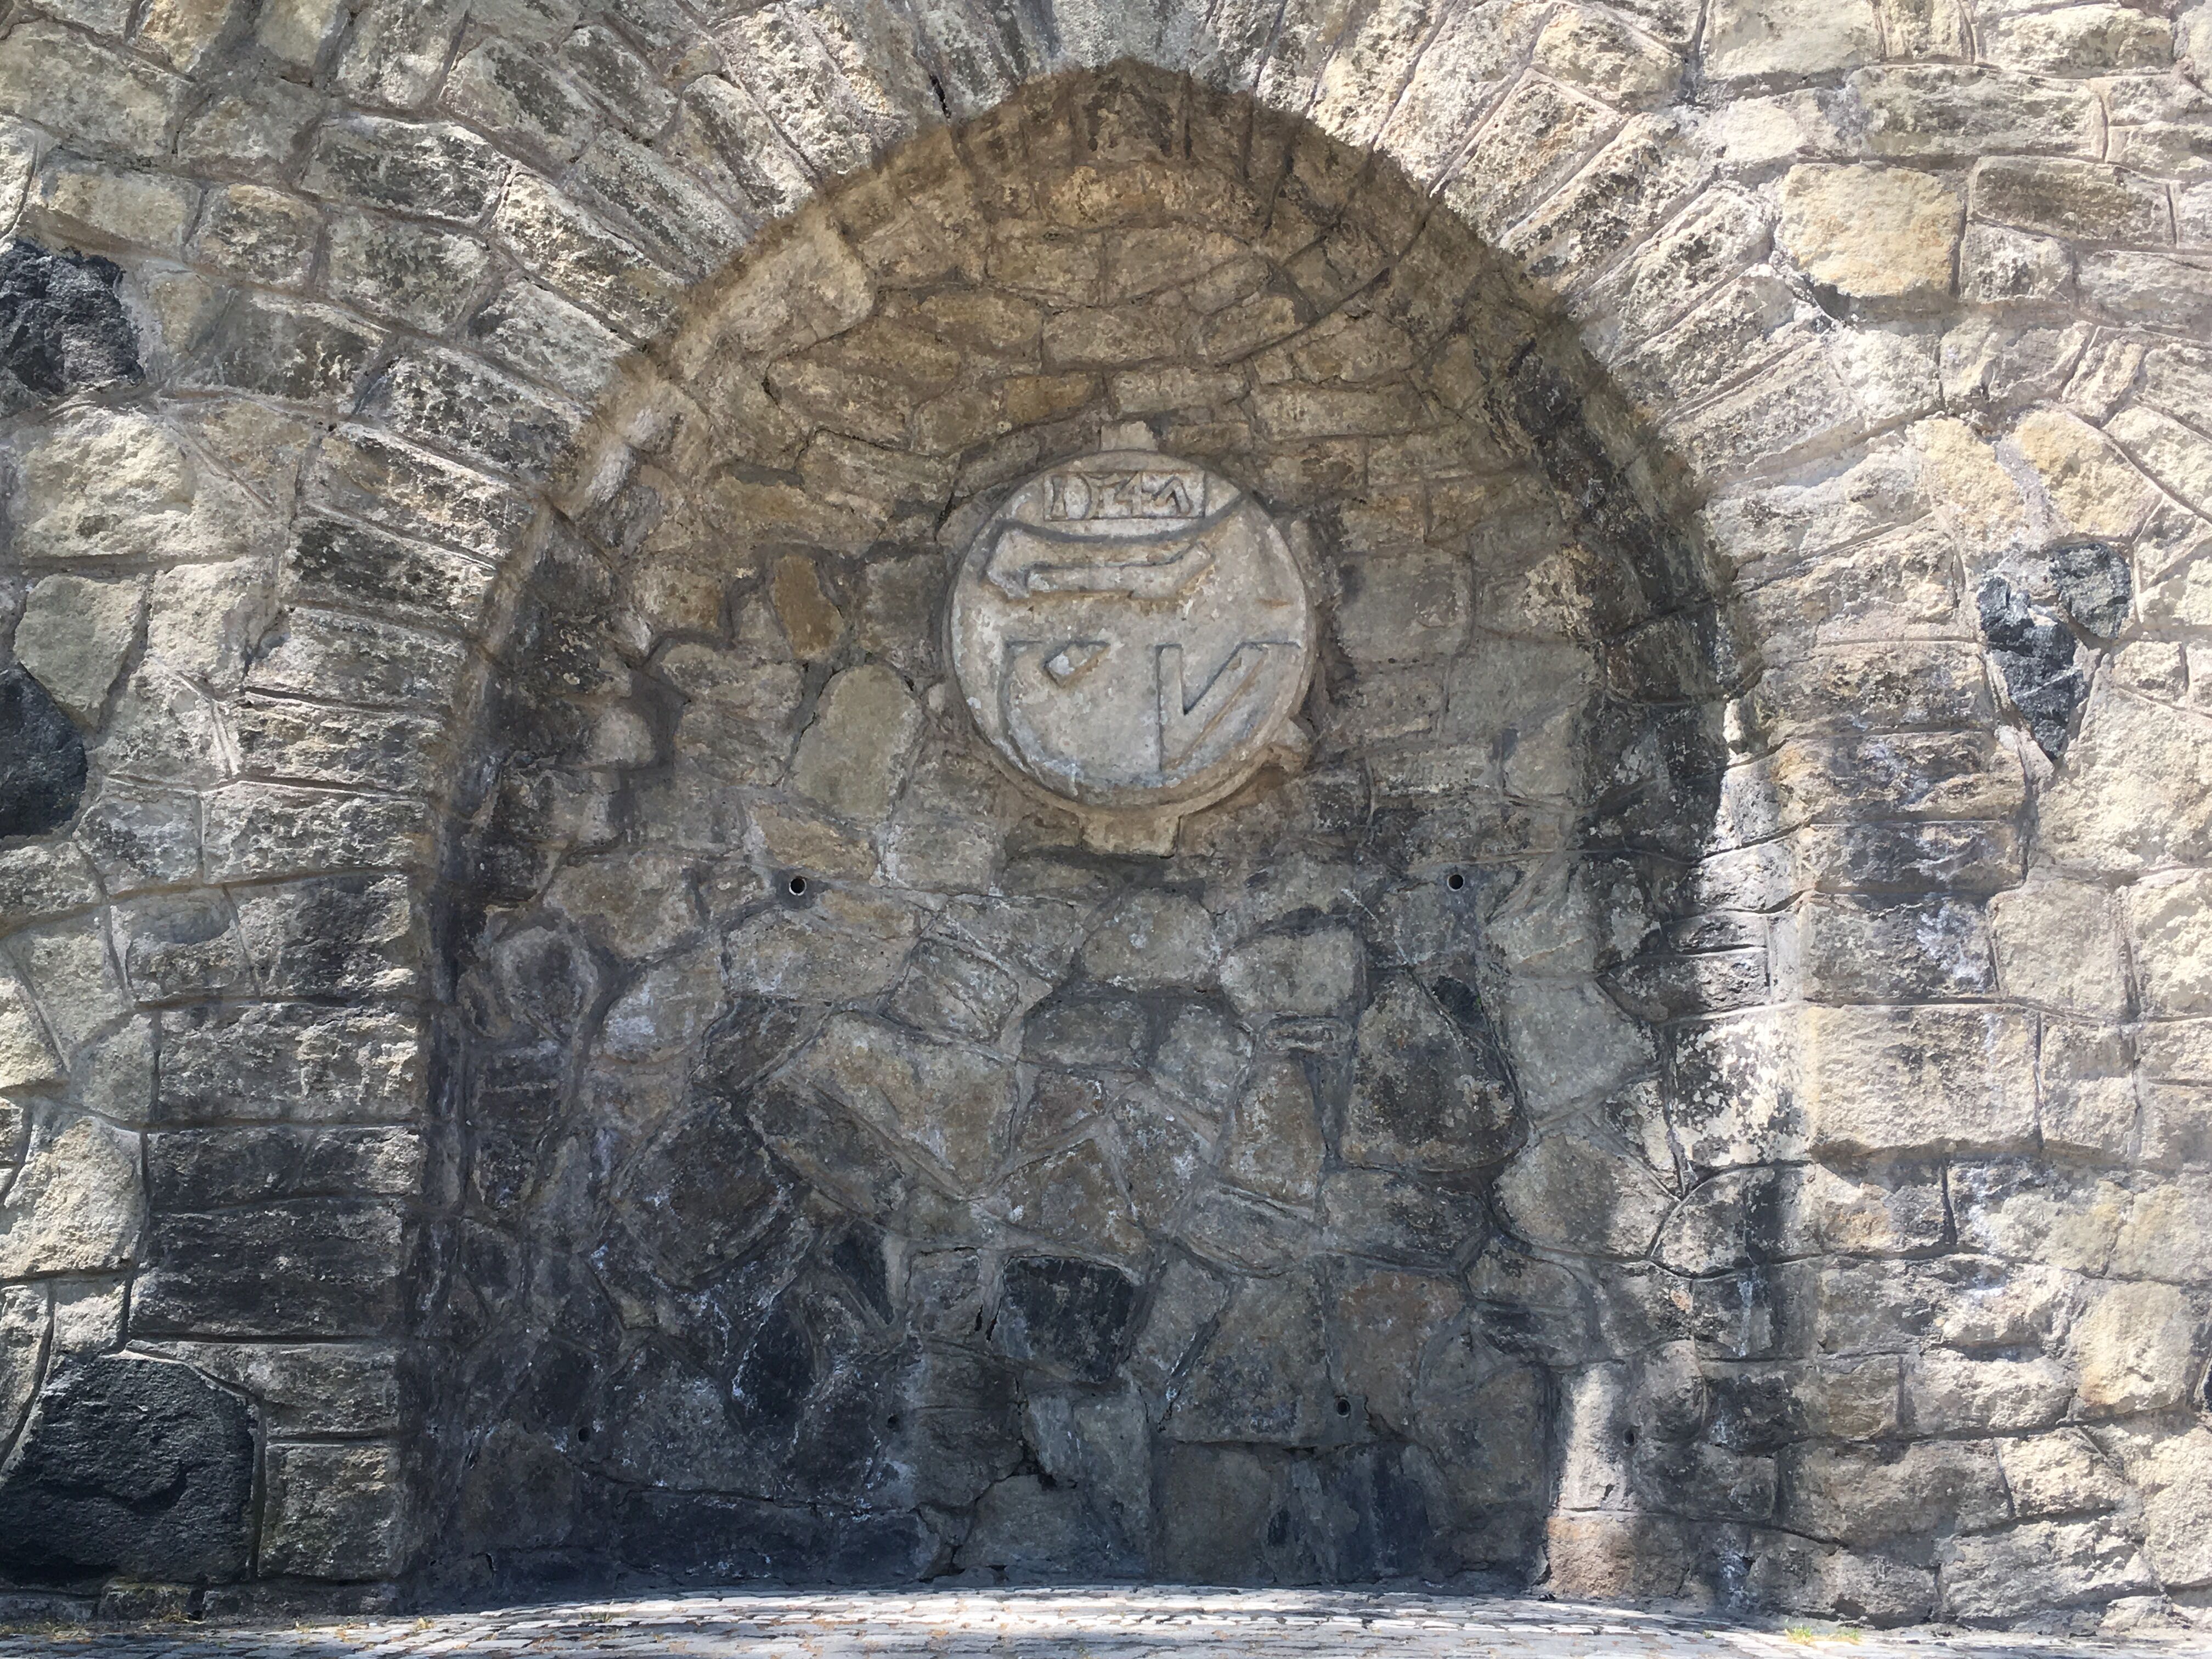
x=42, y=762
x=129, y=1465
x=713, y=1537
x=299, y=1269
x=62, y=327
x=1072, y=1315
x=1431, y=1092
x=700, y=1192
x=2033, y=651
x=2094, y=585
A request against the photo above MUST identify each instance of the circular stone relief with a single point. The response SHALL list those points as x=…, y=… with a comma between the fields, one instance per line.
x=1132, y=636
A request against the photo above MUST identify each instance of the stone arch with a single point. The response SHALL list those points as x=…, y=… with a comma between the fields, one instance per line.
x=1371, y=1057
x=274, y=959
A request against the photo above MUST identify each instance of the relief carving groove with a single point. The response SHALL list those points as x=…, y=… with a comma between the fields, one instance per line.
x=1132, y=637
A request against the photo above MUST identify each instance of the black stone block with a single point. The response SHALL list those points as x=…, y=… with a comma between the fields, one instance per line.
x=128, y=1466
x=41, y=758
x=1071, y=1315
x=2094, y=585
x=309, y=1268
x=62, y=327
x=2033, y=650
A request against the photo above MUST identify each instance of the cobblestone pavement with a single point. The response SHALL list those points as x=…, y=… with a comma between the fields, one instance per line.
x=1061, y=1624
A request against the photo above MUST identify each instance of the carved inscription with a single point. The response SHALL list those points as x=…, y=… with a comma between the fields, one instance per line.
x=1131, y=634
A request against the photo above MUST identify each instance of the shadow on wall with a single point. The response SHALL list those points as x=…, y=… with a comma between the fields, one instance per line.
x=859, y=1179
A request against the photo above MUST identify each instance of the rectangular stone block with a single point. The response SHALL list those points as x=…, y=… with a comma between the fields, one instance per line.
x=434, y=169
x=77, y=90
x=82, y=200
x=301, y=353
x=1794, y=1573
x=314, y=1388
x=1799, y=402
x=337, y=1511
x=347, y=937
x=2088, y=201
x=258, y=831
x=1900, y=585
x=1936, y=111
x=211, y=1169
x=372, y=475
x=330, y=562
x=1858, y=950
x=1880, y=1080
x=359, y=748
x=415, y=274
x=460, y=404
x=1863, y=1494
x=1735, y=1084
x=2157, y=289
x=306, y=1268
x=2039, y=1564
x=1908, y=857
x=42, y=882
x=296, y=1062
x=360, y=659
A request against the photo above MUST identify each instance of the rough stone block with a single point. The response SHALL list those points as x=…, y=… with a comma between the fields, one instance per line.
x=337, y=1511
x=83, y=201
x=398, y=50
x=75, y=1206
x=1906, y=1080
x=2058, y=944
x=2133, y=1349
x=1863, y=1494
x=2088, y=201
x=264, y=235
x=304, y=1268
x=514, y=95
x=2172, y=937
x=2082, y=39
x=130, y=1464
x=73, y=636
x=367, y=474
x=1871, y=231
x=55, y=77
x=1996, y=263
x=2157, y=289
x=301, y=353
x=434, y=169
x=299, y=1062
x=1749, y=38
x=1936, y=111
x=415, y=274
x=2039, y=1565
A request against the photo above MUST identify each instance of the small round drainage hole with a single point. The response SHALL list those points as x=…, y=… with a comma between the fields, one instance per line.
x=1455, y=881
x=1343, y=1406
x=796, y=886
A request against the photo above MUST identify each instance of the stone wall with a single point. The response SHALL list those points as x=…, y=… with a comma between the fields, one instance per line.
x=535, y=1041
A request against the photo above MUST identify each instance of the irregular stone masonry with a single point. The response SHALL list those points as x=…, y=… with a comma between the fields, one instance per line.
x=1692, y=1090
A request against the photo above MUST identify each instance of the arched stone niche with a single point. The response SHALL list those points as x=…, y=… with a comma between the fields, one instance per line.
x=862, y=1173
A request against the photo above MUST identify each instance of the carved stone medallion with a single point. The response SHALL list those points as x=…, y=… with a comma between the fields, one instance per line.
x=1132, y=636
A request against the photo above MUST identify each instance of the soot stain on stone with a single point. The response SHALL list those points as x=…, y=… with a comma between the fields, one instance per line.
x=2033, y=651
x=1071, y=1315
x=42, y=760
x=62, y=327
x=2093, y=586
x=134, y=1465
x=776, y=1376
